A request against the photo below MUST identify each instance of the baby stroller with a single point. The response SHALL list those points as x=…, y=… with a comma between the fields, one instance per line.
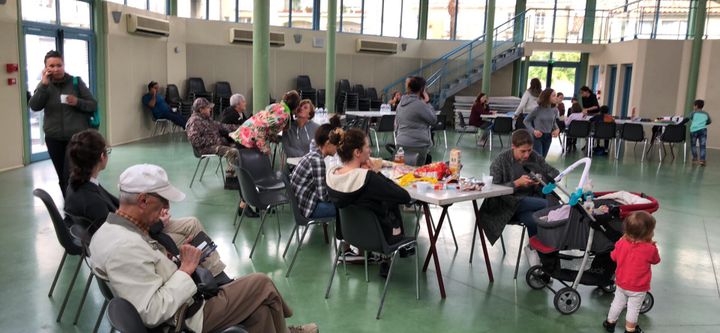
x=575, y=249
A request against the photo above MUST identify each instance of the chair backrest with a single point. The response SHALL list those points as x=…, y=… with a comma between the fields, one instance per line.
x=344, y=86
x=372, y=94
x=222, y=89
x=248, y=190
x=196, y=85
x=300, y=219
x=61, y=230
x=303, y=83
x=80, y=233
x=360, y=90
x=256, y=163
x=503, y=125
x=441, y=123
x=361, y=228
x=604, y=130
x=674, y=133
x=172, y=94
x=412, y=159
x=461, y=120
x=632, y=132
x=386, y=123
x=196, y=152
x=124, y=317
x=561, y=125
x=578, y=129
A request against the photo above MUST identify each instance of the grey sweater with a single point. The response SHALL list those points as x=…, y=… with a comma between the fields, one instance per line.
x=542, y=119
x=413, y=122
x=61, y=121
x=296, y=140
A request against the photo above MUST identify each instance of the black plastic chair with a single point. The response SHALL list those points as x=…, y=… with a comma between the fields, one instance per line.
x=462, y=126
x=81, y=234
x=633, y=133
x=361, y=228
x=262, y=194
x=172, y=97
x=124, y=318
x=375, y=101
x=502, y=126
x=72, y=247
x=301, y=221
x=580, y=129
x=206, y=158
x=673, y=134
x=321, y=98
x=441, y=125
x=562, y=128
x=222, y=92
x=385, y=125
x=304, y=87
x=520, y=121
x=363, y=100
x=196, y=88
x=604, y=131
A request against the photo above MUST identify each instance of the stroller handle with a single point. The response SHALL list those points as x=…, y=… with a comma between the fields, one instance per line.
x=586, y=171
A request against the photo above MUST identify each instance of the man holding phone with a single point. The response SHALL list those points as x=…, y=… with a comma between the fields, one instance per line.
x=159, y=107
x=68, y=106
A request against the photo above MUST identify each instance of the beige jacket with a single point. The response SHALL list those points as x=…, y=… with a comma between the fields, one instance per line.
x=139, y=271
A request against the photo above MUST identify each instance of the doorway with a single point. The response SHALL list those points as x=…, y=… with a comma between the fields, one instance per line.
x=612, y=78
x=557, y=70
x=624, y=108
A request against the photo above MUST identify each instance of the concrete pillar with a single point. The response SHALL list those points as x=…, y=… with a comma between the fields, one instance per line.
x=261, y=49
x=587, y=38
x=698, y=32
x=423, y=24
x=330, y=56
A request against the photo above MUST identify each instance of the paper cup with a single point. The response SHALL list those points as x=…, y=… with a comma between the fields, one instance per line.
x=63, y=98
x=488, y=180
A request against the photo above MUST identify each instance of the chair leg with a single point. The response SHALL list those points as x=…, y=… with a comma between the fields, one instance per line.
x=335, y=264
x=618, y=146
x=287, y=246
x=82, y=300
x=69, y=290
x=262, y=223
x=459, y=138
x=195, y=173
x=642, y=158
x=387, y=281
x=100, y=316
x=517, y=262
x=277, y=219
x=684, y=152
x=445, y=136
x=367, y=276
x=242, y=216
x=207, y=160
x=377, y=143
x=417, y=272
x=299, y=246
x=57, y=274
x=502, y=242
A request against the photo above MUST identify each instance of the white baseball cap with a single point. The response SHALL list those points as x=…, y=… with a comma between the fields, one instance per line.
x=149, y=178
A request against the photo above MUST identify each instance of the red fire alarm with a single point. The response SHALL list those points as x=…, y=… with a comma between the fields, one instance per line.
x=11, y=68
x=12, y=81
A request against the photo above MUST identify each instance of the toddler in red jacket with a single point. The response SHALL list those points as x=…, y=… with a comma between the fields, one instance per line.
x=634, y=253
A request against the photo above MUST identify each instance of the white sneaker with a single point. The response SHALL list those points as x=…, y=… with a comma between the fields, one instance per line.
x=532, y=256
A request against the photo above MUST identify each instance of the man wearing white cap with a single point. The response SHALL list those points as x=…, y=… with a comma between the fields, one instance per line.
x=138, y=269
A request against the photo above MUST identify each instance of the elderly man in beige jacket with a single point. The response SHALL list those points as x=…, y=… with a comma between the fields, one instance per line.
x=138, y=269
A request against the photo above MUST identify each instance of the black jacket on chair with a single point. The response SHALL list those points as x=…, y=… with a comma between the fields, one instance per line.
x=90, y=201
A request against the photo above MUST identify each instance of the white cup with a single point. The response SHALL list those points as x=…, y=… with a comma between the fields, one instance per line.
x=488, y=180
x=63, y=98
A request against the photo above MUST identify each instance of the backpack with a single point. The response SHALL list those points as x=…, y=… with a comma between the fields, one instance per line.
x=94, y=120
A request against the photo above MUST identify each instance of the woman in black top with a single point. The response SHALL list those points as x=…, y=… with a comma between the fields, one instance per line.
x=590, y=103
x=235, y=113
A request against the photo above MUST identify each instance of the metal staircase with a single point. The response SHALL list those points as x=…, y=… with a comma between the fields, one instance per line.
x=463, y=66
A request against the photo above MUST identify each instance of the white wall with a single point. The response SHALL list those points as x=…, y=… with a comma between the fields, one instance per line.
x=11, y=149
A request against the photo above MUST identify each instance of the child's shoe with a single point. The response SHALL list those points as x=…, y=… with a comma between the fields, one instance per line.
x=608, y=326
x=702, y=162
x=637, y=330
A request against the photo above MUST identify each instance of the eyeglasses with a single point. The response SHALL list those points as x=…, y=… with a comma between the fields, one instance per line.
x=108, y=150
x=163, y=201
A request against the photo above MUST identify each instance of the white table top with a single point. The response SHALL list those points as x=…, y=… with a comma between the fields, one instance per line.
x=447, y=197
x=293, y=160
x=644, y=123
x=495, y=115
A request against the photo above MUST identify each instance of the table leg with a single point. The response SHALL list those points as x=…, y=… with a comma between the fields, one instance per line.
x=432, y=251
x=482, y=241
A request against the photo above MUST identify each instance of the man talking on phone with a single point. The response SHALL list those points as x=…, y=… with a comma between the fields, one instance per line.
x=68, y=106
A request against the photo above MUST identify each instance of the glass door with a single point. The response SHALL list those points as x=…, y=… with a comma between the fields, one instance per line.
x=37, y=43
x=625, y=106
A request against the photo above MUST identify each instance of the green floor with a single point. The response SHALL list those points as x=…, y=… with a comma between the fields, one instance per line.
x=685, y=284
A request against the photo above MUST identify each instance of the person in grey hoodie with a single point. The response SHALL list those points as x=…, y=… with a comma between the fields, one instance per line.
x=415, y=117
x=68, y=107
x=300, y=132
x=542, y=122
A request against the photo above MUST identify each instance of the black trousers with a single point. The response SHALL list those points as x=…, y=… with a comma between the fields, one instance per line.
x=57, y=149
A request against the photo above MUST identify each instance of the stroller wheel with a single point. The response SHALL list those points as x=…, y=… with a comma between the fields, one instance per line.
x=536, y=278
x=647, y=303
x=567, y=300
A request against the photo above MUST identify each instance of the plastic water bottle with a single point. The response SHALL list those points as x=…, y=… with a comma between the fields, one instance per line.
x=400, y=156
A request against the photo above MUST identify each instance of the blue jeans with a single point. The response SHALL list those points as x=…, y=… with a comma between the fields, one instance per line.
x=525, y=210
x=323, y=209
x=175, y=117
x=701, y=137
x=542, y=144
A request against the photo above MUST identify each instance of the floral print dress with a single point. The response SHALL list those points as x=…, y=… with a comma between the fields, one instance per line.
x=263, y=127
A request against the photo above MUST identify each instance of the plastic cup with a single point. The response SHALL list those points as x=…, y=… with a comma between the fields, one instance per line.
x=488, y=180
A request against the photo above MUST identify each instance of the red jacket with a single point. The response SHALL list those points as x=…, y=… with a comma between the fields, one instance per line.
x=633, y=259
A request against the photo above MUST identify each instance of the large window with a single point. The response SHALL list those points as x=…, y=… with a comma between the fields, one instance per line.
x=74, y=13
x=470, y=19
x=352, y=16
x=192, y=9
x=222, y=10
x=441, y=19
x=373, y=17
x=391, y=18
x=302, y=14
x=279, y=12
x=245, y=11
x=157, y=6
x=410, y=18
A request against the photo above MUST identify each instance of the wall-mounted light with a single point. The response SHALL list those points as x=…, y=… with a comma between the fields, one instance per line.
x=116, y=15
x=297, y=38
x=403, y=46
x=177, y=49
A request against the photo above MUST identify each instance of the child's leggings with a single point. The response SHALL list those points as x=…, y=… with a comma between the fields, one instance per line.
x=633, y=299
